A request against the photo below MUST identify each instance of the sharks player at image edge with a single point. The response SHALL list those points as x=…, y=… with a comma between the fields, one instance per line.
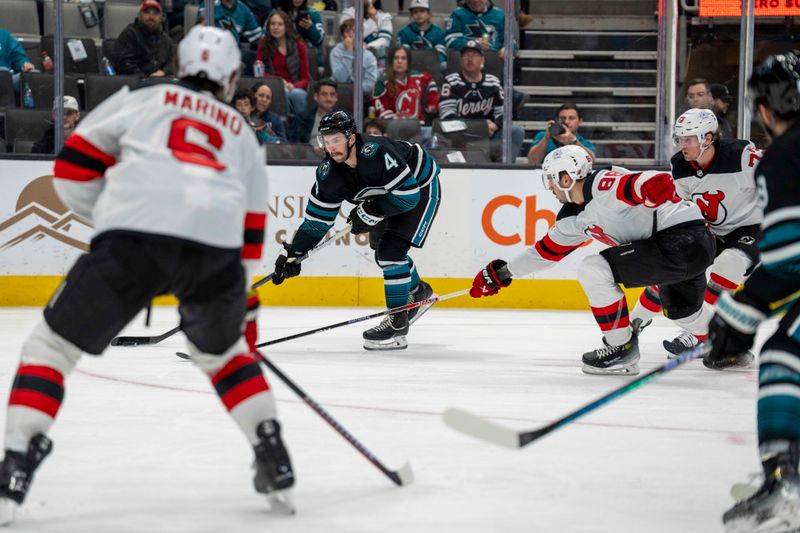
x=198, y=235
x=395, y=186
x=772, y=288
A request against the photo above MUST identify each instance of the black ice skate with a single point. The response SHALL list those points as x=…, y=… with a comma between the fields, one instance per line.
x=682, y=343
x=16, y=475
x=723, y=361
x=390, y=334
x=274, y=475
x=422, y=291
x=623, y=359
x=775, y=507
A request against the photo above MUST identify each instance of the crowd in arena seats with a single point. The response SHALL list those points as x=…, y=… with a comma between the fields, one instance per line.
x=405, y=60
x=702, y=94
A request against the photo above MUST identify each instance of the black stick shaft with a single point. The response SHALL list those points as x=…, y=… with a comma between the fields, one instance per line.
x=330, y=420
x=406, y=307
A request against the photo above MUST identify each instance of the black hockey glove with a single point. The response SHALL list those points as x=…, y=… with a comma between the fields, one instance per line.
x=362, y=219
x=285, y=268
x=733, y=328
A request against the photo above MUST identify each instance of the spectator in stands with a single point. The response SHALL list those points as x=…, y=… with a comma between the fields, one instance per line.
x=421, y=34
x=143, y=48
x=284, y=54
x=375, y=128
x=307, y=23
x=478, y=21
x=722, y=105
x=377, y=27
x=244, y=102
x=471, y=94
x=304, y=128
x=260, y=9
x=274, y=122
x=47, y=142
x=698, y=94
x=404, y=93
x=13, y=57
x=569, y=117
x=341, y=59
x=237, y=18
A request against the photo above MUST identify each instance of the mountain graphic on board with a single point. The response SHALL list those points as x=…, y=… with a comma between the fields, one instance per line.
x=41, y=215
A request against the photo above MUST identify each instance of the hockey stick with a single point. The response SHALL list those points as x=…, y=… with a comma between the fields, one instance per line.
x=137, y=341
x=402, y=477
x=430, y=301
x=481, y=428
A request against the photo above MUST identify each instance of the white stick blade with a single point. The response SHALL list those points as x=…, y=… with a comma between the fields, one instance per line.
x=405, y=474
x=481, y=428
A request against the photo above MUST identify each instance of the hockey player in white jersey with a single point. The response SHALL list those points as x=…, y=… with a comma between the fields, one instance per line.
x=175, y=184
x=654, y=238
x=716, y=174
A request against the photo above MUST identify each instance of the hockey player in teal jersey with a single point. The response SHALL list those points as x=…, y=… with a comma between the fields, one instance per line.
x=772, y=288
x=477, y=20
x=395, y=188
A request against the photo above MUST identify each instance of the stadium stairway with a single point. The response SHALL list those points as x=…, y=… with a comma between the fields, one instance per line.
x=602, y=56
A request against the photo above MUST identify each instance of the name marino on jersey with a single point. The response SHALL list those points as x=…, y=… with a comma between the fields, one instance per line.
x=203, y=106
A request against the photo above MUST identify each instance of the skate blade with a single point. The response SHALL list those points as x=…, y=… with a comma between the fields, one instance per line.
x=280, y=501
x=627, y=370
x=396, y=343
x=7, y=510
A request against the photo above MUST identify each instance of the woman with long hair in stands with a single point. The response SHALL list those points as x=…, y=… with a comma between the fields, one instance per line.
x=285, y=55
x=402, y=92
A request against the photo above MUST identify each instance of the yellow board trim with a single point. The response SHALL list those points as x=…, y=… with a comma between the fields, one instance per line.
x=20, y=291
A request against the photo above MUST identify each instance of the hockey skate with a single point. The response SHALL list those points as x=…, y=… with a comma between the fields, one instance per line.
x=623, y=359
x=638, y=325
x=390, y=334
x=775, y=507
x=680, y=344
x=741, y=360
x=274, y=475
x=422, y=291
x=16, y=475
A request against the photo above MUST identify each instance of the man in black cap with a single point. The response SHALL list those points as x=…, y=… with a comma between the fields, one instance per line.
x=722, y=103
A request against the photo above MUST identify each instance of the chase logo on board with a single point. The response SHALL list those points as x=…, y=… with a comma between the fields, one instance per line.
x=369, y=149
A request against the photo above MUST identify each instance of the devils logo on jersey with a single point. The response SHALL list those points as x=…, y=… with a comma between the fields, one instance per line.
x=407, y=103
x=596, y=232
x=710, y=204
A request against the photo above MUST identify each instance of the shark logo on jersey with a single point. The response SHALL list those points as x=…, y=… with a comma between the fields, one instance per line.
x=369, y=149
x=323, y=170
x=710, y=204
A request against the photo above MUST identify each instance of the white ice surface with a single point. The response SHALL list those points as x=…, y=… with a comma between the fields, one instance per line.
x=142, y=443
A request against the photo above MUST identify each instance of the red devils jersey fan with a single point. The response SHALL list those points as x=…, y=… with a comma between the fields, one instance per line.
x=175, y=184
x=654, y=238
x=717, y=175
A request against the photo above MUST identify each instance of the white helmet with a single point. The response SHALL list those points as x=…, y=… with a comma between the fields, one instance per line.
x=695, y=123
x=571, y=159
x=212, y=53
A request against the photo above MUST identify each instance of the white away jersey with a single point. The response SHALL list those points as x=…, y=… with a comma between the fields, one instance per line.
x=725, y=189
x=165, y=159
x=614, y=213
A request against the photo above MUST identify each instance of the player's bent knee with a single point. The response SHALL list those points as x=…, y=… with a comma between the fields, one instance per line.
x=392, y=248
x=595, y=270
x=210, y=362
x=47, y=348
x=732, y=264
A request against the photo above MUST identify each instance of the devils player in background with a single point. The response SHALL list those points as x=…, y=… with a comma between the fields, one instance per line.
x=395, y=186
x=174, y=182
x=773, y=287
x=716, y=174
x=654, y=238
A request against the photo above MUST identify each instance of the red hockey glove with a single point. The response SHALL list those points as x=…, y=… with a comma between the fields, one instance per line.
x=491, y=279
x=658, y=189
